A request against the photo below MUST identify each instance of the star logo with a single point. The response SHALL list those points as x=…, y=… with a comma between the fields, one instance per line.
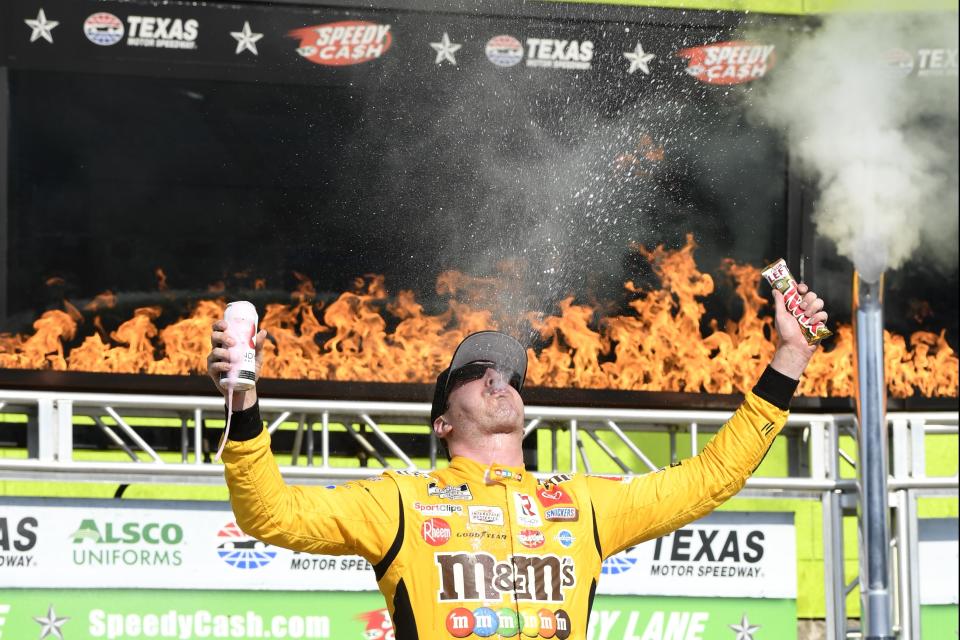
x=50, y=626
x=246, y=39
x=744, y=630
x=445, y=50
x=41, y=27
x=639, y=59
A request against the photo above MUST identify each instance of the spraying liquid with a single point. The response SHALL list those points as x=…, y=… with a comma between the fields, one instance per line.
x=241, y=319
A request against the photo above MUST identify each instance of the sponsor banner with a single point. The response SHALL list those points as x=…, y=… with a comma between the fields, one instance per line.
x=939, y=550
x=653, y=618
x=733, y=62
x=938, y=621
x=122, y=614
x=294, y=45
x=103, y=544
x=100, y=544
x=725, y=554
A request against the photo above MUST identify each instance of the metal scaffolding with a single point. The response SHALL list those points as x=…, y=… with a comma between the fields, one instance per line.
x=815, y=455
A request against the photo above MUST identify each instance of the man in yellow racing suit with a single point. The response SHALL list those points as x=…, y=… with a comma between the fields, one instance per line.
x=483, y=548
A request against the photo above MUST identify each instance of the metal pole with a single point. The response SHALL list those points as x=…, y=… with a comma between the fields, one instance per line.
x=874, y=513
x=834, y=576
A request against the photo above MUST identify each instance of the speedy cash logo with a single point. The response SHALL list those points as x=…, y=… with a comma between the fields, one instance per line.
x=378, y=625
x=484, y=622
x=733, y=62
x=338, y=44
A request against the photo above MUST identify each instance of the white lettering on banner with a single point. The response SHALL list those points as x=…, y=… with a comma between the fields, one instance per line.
x=204, y=624
x=675, y=625
x=163, y=33
x=559, y=54
x=601, y=622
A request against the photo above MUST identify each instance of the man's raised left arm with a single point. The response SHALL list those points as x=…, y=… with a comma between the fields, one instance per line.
x=653, y=505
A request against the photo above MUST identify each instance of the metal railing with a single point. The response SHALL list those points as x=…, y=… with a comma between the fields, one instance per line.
x=566, y=433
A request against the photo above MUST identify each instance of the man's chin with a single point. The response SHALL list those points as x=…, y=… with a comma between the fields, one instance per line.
x=507, y=424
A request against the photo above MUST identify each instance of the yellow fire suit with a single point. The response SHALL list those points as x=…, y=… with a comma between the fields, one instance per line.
x=476, y=551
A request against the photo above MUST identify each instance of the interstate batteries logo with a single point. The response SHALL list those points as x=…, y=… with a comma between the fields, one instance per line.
x=110, y=543
x=241, y=551
x=103, y=29
x=733, y=62
x=338, y=44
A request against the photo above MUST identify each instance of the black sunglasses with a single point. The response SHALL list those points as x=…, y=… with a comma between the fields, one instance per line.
x=476, y=370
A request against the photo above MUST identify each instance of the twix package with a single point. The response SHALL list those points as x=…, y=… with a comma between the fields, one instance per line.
x=779, y=277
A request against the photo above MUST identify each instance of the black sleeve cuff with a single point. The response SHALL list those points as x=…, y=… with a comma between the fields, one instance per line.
x=246, y=424
x=776, y=388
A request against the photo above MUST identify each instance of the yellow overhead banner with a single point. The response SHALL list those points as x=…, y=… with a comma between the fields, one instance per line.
x=787, y=7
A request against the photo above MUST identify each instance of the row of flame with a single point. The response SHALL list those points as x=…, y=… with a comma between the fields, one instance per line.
x=660, y=346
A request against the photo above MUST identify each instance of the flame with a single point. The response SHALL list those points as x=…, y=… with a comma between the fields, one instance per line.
x=161, y=279
x=664, y=342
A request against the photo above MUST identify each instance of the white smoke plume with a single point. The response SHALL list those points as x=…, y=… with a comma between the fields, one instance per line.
x=869, y=106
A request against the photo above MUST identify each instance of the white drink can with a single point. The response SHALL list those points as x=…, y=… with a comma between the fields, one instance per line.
x=241, y=318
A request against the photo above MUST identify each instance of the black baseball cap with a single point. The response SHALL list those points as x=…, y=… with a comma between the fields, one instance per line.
x=504, y=352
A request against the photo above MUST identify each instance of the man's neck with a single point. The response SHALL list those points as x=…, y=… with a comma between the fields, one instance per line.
x=499, y=448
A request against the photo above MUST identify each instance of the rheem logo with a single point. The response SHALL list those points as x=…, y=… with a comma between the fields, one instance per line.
x=435, y=532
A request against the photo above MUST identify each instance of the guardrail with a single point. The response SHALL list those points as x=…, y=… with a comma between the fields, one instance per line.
x=815, y=472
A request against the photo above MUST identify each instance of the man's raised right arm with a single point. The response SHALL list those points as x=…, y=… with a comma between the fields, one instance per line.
x=357, y=517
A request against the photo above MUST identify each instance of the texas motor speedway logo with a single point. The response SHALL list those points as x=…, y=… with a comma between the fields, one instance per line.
x=726, y=554
x=18, y=537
